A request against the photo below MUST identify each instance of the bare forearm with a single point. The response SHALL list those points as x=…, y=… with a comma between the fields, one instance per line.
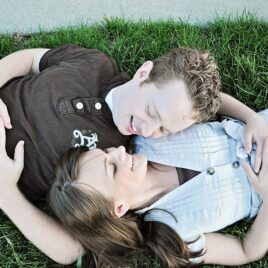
x=227, y=250
x=41, y=229
x=256, y=242
x=234, y=108
x=20, y=63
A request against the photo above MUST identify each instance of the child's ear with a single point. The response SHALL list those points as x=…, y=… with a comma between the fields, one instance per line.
x=143, y=72
x=121, y=209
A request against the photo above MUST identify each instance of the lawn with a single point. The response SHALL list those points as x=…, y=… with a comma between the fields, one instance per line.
x=240, y=47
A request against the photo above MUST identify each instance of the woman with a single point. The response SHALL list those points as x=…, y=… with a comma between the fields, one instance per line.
x=114, y=202
x=20, y=74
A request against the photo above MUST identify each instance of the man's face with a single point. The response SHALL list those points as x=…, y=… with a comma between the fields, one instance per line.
x=150, y=111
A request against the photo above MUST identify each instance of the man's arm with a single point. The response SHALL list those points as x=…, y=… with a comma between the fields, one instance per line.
x=234, y=108
x=20, y=63
x=256, y=129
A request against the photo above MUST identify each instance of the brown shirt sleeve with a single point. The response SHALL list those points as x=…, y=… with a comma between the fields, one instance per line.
x=64, y=53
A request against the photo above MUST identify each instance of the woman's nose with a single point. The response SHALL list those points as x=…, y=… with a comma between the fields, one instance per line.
x=121, y=152
x=117, y=153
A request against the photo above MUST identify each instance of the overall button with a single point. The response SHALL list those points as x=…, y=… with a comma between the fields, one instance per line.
x=210, y=171
x=236, y=164
x=79, y=105
x=98, y=105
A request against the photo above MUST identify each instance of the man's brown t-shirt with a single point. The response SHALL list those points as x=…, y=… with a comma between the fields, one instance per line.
x=61, y=107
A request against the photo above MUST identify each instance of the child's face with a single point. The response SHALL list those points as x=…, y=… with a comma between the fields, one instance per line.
x=153, y=112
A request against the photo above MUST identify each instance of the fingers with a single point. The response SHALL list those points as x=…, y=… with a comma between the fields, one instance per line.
x=2, y=136
x=258, y=157
x=265, y=156
x=252, y=177
x=5, y=115
x=247, y=141
x=19, y=154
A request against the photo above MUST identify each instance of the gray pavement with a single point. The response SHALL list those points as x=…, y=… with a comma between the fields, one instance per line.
x=27, y=16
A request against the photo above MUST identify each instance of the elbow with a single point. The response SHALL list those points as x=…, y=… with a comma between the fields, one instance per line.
x=69, y=256
x=65, y=260
x=251, y=255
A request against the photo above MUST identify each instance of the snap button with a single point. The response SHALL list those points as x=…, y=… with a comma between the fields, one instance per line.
x=98, y=105
x=210, y=171
x=235, y=164
x=79, y=105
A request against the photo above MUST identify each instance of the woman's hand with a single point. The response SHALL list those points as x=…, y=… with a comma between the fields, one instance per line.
x=259, y=181
x=4, y=115
x=10, y=169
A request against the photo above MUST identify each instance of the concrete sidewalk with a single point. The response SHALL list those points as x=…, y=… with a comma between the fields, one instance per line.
x=31, y=15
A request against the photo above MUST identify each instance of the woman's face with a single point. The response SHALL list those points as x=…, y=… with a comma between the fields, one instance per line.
x=113, y=172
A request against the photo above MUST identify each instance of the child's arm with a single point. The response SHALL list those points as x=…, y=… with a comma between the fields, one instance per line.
x=42, y=230
x=227, y=250
x=20, y=63
x=256, y=129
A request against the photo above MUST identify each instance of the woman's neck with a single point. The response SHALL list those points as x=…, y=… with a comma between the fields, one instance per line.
x=160, y=180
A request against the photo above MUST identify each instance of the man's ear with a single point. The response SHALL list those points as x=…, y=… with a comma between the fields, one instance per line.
x=190, y=118
x=121, y=209
x=143, y=72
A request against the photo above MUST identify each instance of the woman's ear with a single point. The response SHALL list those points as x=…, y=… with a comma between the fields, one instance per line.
x=143, y=72
x=121, y=209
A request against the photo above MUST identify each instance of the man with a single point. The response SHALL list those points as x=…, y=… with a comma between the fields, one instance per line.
x=66, y=102
x=72, y=96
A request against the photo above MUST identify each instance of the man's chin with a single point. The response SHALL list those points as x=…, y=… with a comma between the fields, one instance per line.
x=125, y=133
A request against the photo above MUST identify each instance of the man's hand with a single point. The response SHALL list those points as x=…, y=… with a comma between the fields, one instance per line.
x=256, y=131
x=259, y=181
x=10, y=169
x=4, y=115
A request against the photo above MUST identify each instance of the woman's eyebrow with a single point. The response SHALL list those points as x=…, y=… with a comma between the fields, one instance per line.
x=157, y=113
x=105, y=166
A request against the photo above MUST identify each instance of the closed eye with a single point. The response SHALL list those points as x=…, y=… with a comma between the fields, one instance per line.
x=114, y=169
x=164, y=131
x=149, y=112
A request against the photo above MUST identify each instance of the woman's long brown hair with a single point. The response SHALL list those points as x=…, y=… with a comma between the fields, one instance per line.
x=108, y=240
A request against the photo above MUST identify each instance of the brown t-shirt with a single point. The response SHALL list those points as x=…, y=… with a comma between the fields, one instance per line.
x=62, y=107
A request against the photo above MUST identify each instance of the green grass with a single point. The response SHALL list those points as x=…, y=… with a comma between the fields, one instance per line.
x=239, y=45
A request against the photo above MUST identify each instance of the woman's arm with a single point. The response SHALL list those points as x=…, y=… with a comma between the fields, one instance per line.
x=20, y=63
x=227, y=250
x=222, y=249
x=42, y=230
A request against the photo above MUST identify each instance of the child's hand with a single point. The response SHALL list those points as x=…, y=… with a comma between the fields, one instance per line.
x=10, y=169
x=256, y=130
x=4, y=115
x=259, y=181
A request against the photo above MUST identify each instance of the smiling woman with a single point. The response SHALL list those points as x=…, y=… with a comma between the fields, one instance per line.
x=114, y=173
x=115, y=203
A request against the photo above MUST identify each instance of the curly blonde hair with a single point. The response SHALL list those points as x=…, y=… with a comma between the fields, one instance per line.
x=199, y=72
